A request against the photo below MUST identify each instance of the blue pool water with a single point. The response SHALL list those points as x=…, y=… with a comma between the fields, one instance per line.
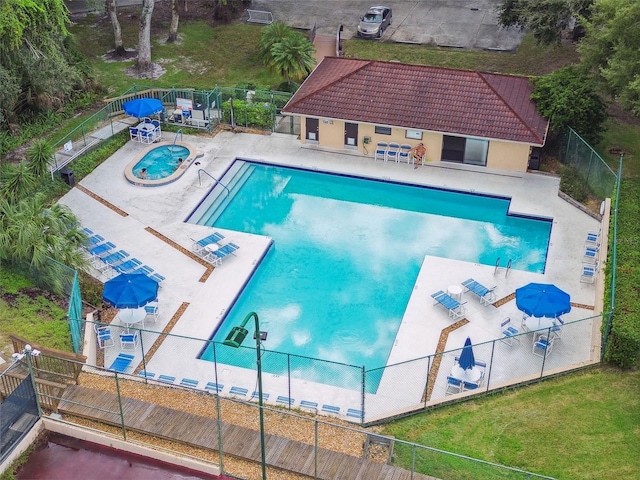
x=346, y=254
x=161, y=161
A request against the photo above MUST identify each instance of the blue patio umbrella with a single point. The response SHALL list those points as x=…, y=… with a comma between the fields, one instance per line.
x=543, y=300
x=142, y=107
x=130, y=290
x=467, y=361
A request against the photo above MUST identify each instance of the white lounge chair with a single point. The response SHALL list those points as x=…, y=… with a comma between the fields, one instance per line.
x=381, y=151
x=392, y=152
x=405, y=153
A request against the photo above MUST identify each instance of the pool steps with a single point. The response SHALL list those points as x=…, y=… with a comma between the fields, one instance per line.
x=223, y=192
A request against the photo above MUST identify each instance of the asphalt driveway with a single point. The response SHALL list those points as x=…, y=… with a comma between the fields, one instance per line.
x=469, y=24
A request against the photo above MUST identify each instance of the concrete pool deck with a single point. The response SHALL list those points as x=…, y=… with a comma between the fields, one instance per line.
x=141, y=220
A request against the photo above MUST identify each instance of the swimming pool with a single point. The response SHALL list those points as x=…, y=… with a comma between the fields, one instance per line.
x=347, y=252
x=162, y=163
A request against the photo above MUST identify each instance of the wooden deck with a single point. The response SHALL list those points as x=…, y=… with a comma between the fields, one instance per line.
x=239, y=442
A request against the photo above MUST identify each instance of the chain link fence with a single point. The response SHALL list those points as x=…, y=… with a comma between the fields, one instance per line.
x=595, y=174
x=146, y=411
x=353, y=393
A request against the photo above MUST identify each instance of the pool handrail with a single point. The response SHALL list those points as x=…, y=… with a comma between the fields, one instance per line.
x=214, y=179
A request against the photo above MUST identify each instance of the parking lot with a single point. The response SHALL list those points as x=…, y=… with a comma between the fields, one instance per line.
x=471, y=24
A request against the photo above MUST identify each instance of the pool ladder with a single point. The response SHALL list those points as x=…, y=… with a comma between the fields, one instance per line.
x=215, y=180
x=506, y=270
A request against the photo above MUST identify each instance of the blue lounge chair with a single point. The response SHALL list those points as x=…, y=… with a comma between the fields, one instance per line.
x=486, y=295
x=127, y=266
x=242, y=392
x=286, y=401
x=455, y=308
x=157, y=277
x=122, y=362
x=88, y=231
x=381, y=151
x=589, y=273
x=255, y=396
x=115, y=258
x=94, y=241
x=331, y=409
x=187, y=382
x=308, y=404
x=216, y=256
x=102, y=249
x=166, y=379
x=355, y=413
x=145, y=374
x=215, y=387
x=592, y=239
x=590, y=255
x=198, y=245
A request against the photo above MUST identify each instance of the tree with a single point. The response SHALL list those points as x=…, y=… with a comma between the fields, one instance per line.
x=293, y=57
x=36, y=68
x=272, y=34
x=610, y=49
x=286, y=51
x=39, y=155
x=568, y=97
x=16, y=182
x=175, y=19
x=545, y=18
x=144, y=37
x=111, y=7
x=31, y=232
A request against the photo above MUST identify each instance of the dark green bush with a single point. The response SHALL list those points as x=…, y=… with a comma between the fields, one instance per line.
x=572, y=184
x=623, y=343
x=259, y=115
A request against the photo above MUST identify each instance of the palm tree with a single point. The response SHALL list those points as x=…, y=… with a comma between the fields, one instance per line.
x=274, y=33
x=16, y=181
x=39, y=154
x=31, y=232
x=293, y=57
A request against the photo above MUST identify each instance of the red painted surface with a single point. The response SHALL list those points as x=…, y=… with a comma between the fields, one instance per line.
x=65, y=458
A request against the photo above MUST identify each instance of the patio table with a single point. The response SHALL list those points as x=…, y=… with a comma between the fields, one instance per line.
x=535, y=323
x=469, y=375
x=130, y=316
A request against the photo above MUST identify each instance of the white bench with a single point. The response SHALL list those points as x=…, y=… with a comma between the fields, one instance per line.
x=260, y=16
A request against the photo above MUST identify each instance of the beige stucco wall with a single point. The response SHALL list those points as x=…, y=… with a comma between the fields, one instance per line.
x=508, y=156
x=501, y=155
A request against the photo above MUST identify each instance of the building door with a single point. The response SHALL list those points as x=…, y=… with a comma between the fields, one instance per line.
x=471, y=151
x=351, y=134
x=312, y=129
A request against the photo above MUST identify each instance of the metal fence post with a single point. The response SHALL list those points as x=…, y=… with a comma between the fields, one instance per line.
x=124, y=428
x=28, y=351
x=315, y=449
x=364, y=380
x=219, y=422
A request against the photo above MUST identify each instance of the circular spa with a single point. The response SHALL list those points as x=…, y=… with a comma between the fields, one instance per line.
x=160, y=164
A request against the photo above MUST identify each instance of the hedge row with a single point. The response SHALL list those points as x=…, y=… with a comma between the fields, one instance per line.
x=623, y=345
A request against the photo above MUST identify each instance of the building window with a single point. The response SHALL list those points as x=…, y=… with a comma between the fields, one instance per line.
x=383, y=130
x=413, y=134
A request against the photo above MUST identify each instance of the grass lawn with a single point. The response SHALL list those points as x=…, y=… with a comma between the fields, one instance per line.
x=202, y=58
x=31, y=313
x=580, y=426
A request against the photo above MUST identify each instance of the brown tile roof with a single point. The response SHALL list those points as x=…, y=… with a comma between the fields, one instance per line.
x=439, y=99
